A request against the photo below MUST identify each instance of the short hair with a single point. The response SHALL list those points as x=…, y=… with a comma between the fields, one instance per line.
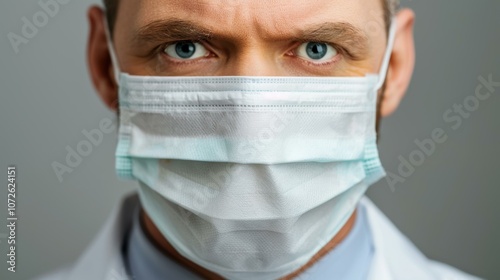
x=390, y=8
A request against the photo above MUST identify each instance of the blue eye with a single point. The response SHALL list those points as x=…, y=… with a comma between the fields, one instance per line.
x=316, y=51
x=186, y=50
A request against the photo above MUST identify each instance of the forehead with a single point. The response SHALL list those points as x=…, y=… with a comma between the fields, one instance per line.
x=250, y=17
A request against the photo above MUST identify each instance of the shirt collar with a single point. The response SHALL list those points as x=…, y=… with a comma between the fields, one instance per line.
x=348, y=260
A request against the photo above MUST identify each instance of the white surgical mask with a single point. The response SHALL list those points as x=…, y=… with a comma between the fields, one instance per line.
x=249, y=177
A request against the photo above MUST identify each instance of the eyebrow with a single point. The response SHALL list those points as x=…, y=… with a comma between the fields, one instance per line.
x=352, y=39
x=171, y=29
x=344, y=34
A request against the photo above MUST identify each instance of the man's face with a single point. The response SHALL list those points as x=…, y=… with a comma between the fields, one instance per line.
x=251, y=38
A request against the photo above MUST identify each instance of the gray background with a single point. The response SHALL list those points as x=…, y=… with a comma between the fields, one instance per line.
x=448, y=207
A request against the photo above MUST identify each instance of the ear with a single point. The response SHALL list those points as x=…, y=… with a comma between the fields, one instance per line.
x=99, y=59
x=401, y=64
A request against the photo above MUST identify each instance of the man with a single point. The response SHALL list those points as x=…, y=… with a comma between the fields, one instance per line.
x=249, y=222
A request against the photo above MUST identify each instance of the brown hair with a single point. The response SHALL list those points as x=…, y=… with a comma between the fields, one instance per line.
x=390, y=7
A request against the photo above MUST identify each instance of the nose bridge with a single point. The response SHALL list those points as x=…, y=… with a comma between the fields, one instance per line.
x=252, y=60
x=249, y=51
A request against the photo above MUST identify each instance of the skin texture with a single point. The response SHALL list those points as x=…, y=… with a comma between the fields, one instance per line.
x=251, y=38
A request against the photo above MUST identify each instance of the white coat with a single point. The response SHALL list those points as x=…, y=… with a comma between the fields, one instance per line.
x=395, y=256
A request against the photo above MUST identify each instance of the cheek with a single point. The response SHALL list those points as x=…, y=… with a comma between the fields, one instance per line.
x=356, y=68
x=137, y=66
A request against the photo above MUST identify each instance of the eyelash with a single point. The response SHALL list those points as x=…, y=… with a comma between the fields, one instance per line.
x=160, y=51
x=320, y=64
x=341, y=53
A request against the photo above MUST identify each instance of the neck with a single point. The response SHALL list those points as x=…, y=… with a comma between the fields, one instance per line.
x=163, y=245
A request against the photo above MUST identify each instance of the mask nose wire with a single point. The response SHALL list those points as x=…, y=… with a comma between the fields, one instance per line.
x=387, y=55
x=112, y=53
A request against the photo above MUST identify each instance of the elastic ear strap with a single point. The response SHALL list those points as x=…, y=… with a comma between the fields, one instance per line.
x=114, y=60
x=387, y=55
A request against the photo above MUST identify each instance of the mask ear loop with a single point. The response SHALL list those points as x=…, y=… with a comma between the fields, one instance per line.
x=114, y=60
x=387, y=55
